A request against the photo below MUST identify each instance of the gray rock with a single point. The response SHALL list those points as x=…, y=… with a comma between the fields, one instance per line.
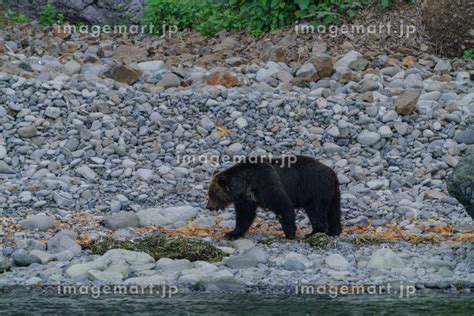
x=337, y=262
x=170, y=80
x=144, y=174
x=165, y=216
x=52, y=112
x=62, y=241
x=243, y=245
x=241, y=122
x=294, y=261
x=121, y=220
x=258, y=253
x=384, y=259
x=243, y=261
x=443, y=66
x=22, y=258
x=306, y=70
x=156, y=279
x=151, y=66
x=170, y=265
x=5, y=169
x=221, y=284
x=113, y=262
x=368, y=138
x=385, y=131
x=3, y=152
x=466, y=136
x=359, y=64
x=86, y=172
x=105, y=276
x=234, y=148
x=27, y=131
x=65, y=255
x=38, y=221
x=63, y=199
x=5, y=263
x=30, y=244
x=72, y=67
x=43, y=256
x=342, y=65
x=206, y=123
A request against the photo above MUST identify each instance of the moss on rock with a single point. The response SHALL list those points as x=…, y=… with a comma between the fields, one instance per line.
x=320, y=240
x=367, y=240
x=163, y=246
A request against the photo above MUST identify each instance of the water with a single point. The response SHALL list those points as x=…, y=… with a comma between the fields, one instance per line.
x=39, y=303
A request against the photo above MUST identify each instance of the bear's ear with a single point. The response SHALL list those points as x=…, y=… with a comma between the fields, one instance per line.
x=222, y=181
x=215, y=172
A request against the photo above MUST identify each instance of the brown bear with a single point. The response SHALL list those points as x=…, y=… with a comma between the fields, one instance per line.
x=280, y=185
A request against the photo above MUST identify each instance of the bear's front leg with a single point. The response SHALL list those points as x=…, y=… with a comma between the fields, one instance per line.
x=287, y=220
x=246, y=212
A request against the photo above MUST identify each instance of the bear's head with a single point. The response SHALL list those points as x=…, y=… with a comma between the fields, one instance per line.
x=219, y=195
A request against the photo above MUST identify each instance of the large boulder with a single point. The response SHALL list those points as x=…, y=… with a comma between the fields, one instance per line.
x=450, y=24
x=461, y=182
x=98, y=12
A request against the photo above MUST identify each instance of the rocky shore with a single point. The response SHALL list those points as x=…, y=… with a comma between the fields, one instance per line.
x=93, y=148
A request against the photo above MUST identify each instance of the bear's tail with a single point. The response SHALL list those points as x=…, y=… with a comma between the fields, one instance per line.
x=334, y=214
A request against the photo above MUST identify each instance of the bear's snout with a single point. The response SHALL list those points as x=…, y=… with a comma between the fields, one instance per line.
x=212, y=207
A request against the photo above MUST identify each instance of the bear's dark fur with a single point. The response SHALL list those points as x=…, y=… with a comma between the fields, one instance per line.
x=279, y=186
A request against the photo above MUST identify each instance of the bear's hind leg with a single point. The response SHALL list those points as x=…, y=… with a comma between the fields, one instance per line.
x=317, y=213
x=246, y=212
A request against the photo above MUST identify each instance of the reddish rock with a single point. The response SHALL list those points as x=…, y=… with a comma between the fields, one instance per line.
x=324, y=65
x=125, y=74
x=225, y=79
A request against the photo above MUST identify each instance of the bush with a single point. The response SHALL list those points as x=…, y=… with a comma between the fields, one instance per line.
x=255, y=16
x=48, y=15
x=469, y=54
x=203, y=16
x=10, y=15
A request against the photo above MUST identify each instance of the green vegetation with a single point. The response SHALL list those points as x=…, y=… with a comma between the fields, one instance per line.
x=163, y=246
x=48, y=15
x=12, y=16
x=469, y=54
x=320, y=240
x=273, y=240
x=367, y=240
x=255, y=16
x=203, y=16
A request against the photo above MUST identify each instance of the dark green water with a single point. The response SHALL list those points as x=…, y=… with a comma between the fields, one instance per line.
x=38, y=303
